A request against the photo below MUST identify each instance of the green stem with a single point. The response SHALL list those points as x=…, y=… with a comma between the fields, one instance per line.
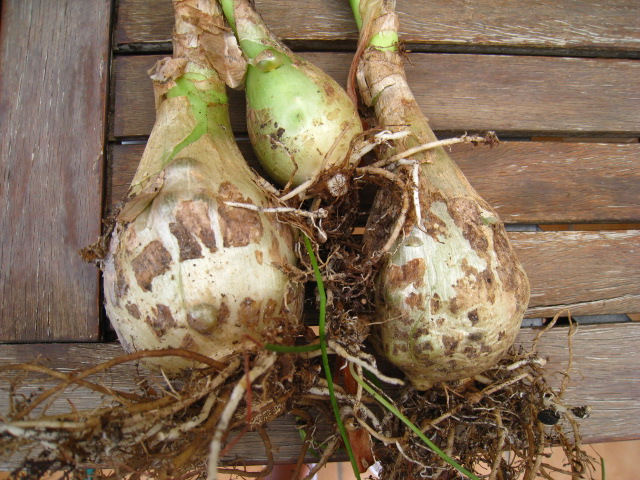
x=355, y=7
x=382, y=40
x=252, y=34
x=385, y=40
x=209, y=107
x=389, y=406
x=227, y=9
x=325, y=356
x=288, y=349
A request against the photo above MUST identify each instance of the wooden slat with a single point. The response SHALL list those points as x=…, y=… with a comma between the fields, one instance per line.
x=579, y=26
x=527, y=182
x=588, y=273
x=601, y=378
x=53, y=84
x=514, y=95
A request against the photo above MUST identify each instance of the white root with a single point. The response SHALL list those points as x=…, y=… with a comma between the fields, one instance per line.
x=541, y=362
x=357, y=361
x=378, y=138
x=138, y=421
x=318, y=214
x=266, y=185
x=263, y=364
x=375, y=433
x=489, y=138
x=324, y=392
x=20, y=427
x=408, y=458
x=502, y=433
x=299, y=190
x=172, y=391
x=326, y=454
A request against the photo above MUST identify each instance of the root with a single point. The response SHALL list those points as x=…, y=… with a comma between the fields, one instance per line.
x=262, y=365
x=326, y=455
x=268, y=467
x=404, y=209
x=476, y=421
x=489, y=138
x=318, y=214
x=369, y=365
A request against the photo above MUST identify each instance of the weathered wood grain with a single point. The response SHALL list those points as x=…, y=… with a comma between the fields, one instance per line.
x=53, y=84
x=513, y=95
x=527, y=182
x=582, y=271
x=601, y=378
x=605, y=28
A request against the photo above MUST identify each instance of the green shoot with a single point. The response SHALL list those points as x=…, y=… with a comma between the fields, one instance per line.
x=355, y=7
x=202, y=103
x=389, y=406
x=291, y=349
x=227, y=9
x=325, y=356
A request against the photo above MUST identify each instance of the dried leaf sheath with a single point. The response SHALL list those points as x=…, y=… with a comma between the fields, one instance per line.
x=451, y=293
x=184, y=269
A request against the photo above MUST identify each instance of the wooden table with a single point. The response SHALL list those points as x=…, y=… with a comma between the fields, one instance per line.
x=559, y=82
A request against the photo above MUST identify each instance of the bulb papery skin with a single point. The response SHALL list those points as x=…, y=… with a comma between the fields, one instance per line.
x=300, y=121
x=186, y=270
x=450, y=293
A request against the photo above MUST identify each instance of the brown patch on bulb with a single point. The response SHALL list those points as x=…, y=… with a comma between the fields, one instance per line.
x=162, y=319
x=188, y=343
x=398, y=348
x=423, y=347
x=133, y=310
x=192, y=220
x=271, y=308
x=154, y=260
x=513, y=279
x=435, y=303
x=476, y=336
x=122, y=285
x=187, y=243
x=249, y=312
x=465, y=213
x=240, y=226
x=450, y=344
x=415, y=300
x=411, y=272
